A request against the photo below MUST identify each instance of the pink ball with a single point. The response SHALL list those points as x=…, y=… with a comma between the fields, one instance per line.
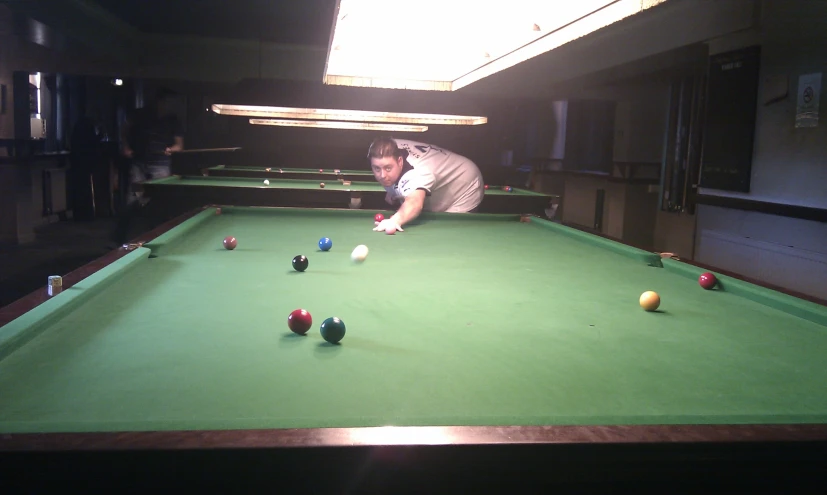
x=390, y=230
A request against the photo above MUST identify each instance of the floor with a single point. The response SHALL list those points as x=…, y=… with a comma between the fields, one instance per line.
x=59, y=248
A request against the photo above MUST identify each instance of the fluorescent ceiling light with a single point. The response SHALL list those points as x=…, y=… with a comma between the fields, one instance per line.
x=328, y=124
x=345, y=115
x=457, y=41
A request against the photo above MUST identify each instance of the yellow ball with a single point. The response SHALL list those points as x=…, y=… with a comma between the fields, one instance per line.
x=649, y=300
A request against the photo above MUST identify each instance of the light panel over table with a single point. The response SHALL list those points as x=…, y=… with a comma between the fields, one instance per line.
x=344, y=115
x=447, y=44
x=329, y=124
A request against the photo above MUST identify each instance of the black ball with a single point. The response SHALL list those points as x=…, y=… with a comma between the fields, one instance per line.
x=300, y=263
x=333, y=330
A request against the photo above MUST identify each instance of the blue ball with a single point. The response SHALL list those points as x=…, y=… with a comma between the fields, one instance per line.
x=333, y=330
x=325, y=244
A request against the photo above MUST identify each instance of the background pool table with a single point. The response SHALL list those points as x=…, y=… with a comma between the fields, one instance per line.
x=194, y=161
x=326, y=175
x=180, y=194
x=465, y=329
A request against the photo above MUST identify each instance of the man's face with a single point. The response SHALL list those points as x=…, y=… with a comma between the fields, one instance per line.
x=163, y=106
x=387, y=170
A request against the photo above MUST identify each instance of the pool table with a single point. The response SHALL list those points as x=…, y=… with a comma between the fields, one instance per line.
x=194, y=161
x=326, y=175
x=178, y=193
x=479, y=349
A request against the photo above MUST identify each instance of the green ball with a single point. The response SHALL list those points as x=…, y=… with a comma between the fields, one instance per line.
x=333, y=330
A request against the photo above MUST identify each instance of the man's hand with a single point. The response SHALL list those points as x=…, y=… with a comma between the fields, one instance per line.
x=411, y=208
x=387, y=223
x=178, y=146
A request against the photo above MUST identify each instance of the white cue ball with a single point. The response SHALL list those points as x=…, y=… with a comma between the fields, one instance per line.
x=359, y=253
x=266, y=182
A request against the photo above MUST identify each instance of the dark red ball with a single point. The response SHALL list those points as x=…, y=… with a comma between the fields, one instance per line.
x=707, y=280
x=300, y=321
x=230, y=242
x=379, y=217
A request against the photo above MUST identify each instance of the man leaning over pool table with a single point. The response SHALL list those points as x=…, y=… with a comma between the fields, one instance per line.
x=423, y=177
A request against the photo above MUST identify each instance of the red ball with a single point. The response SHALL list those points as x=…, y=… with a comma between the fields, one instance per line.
x=707, y=280
x=230, y=242
x=378, y=217
x=486, y=186
x=300, y=321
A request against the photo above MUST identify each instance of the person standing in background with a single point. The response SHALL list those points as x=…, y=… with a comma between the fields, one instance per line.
x=149, y=137
x=85, y=159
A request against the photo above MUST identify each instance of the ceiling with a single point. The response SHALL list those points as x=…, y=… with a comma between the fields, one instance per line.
x=649, y=49
x=300, y=22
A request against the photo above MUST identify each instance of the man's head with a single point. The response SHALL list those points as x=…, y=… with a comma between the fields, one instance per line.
x=164, y=98
x=386, y=160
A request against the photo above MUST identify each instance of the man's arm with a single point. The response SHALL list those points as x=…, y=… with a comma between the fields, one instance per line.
x=411, y=208
x=178, y=135
x=127, y=149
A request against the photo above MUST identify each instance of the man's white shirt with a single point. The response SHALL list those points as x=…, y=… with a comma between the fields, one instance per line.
x=452, y=182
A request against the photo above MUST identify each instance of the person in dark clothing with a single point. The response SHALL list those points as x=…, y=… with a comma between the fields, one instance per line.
x=150, y=135
x=85, y=159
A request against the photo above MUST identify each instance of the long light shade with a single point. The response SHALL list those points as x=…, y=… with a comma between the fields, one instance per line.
x=329, y=124
x=345, y=115
x=447, y=44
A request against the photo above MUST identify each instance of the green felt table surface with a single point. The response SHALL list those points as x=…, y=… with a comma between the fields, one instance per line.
x=460, y=320
x=334, y=185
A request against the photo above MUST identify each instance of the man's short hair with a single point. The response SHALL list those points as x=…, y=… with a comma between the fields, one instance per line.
x=385, y=146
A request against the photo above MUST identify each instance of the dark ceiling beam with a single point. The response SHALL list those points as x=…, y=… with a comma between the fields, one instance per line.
x=648, y=72
x=228, y=60
x=77, y=23
x=114, y=48
x=661, y=29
